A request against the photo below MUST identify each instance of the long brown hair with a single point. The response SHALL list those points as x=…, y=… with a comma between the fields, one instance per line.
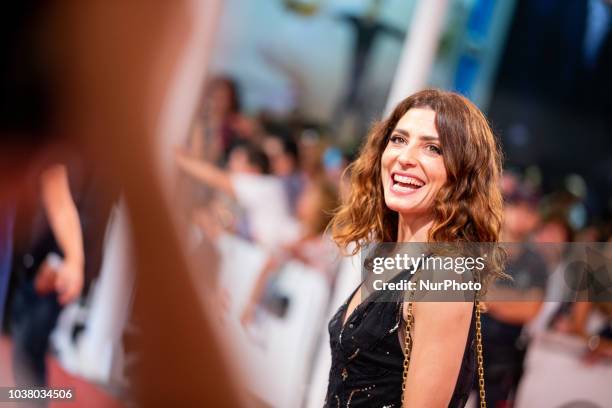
x=468, y=208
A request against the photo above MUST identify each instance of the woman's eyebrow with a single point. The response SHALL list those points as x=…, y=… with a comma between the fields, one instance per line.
x=401, y=132
x=429, y=138
x=404, y=132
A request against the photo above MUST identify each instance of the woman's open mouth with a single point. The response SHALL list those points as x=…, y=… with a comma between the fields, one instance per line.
x=403, y=184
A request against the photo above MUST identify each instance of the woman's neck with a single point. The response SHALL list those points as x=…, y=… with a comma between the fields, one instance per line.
x=413, y=228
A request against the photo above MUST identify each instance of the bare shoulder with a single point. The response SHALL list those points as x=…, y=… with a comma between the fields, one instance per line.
x=441, y=313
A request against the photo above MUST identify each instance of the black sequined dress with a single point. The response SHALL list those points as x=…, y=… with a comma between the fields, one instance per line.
x=367, y=356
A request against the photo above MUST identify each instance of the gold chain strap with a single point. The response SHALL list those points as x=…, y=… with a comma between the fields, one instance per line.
x=479, y=355
x=479, y=358
x=407, y=348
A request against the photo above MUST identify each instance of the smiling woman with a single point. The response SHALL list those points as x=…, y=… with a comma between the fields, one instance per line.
x=468, y=206
x=427, y=173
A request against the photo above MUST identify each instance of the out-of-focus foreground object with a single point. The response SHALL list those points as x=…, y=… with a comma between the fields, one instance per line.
x=130, y=78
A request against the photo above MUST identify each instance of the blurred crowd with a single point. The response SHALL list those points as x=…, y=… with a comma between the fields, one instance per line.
x=274, y=182
x=269, y=185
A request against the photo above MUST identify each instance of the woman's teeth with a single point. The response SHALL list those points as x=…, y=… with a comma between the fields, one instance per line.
x=403, y=183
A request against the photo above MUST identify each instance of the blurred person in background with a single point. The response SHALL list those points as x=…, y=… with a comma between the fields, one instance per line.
x=58, y=250
x=312, y=146
x=30, y=152
x=553, y=228
x=409, y=185
x=551, y=237
x=562, y=320
x=502, y=325
x=247, y=181
x=591, y=320
x=313, y=248
x=220, y=123
x=47, y=271
x=554, y=232
x=283, y=152
x=521, y=214
x=41, y=235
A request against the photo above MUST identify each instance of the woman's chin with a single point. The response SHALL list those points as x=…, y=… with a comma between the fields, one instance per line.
x=401, y=205
x=406, y=210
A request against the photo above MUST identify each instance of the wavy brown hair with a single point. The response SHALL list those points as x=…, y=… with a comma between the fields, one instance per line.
x=468, y=208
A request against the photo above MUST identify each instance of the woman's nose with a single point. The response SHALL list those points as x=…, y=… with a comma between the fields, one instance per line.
x=407, y=157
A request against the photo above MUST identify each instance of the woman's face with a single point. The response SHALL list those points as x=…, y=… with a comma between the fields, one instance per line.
x=412, y=166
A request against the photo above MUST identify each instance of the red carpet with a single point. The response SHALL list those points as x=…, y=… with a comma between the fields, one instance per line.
x=86, y=394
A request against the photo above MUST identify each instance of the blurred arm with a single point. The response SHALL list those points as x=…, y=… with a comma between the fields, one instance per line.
x=205, y=172
x=579, y=315
x=62, y=213
x=515, y=311
x=64, y=220
x=270, y=266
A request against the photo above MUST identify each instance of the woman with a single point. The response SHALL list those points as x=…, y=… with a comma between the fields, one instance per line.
x=428, y=173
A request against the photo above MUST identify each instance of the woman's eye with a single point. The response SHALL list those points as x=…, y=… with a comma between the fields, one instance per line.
x=434, y=149
x=396, y=139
